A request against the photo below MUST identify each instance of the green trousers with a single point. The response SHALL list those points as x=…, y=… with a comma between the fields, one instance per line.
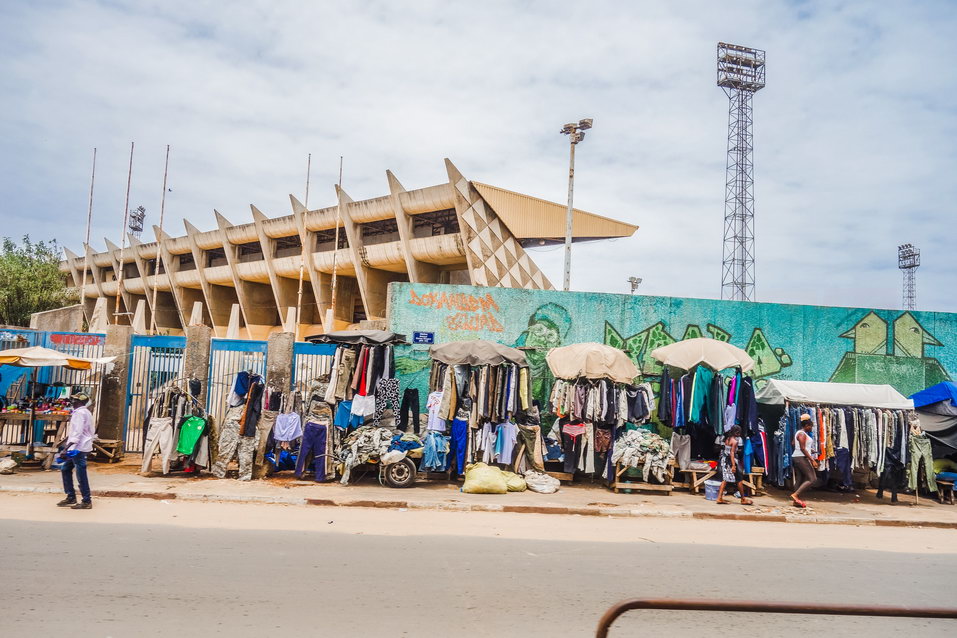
x=918, y=448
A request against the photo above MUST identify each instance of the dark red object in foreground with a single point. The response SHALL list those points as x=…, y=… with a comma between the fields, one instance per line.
x=767, y=608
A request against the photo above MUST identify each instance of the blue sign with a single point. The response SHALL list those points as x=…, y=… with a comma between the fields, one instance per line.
x=423, y=337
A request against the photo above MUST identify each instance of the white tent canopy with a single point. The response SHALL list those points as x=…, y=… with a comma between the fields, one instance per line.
x=777, y=391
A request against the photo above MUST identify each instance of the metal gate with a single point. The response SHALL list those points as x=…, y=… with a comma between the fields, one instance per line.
x=154, y=361
x=228, y=357
x=309, y=361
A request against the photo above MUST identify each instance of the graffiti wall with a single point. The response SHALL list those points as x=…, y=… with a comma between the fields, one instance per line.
x=909, y=350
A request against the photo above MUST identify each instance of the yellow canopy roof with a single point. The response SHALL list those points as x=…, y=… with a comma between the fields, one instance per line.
x=533, y=218
x=39, y=357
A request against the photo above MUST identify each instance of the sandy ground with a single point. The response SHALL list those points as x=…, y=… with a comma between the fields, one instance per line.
x=133, y=567
x=285, y=488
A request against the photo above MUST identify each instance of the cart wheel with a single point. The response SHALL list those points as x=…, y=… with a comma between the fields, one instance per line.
x=401, y=474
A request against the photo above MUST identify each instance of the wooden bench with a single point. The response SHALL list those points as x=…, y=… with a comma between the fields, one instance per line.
x=696, y=478
x=945, y=491
x=755, y=480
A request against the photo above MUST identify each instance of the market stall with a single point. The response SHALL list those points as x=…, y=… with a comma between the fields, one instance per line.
x=704, y=391
x=480, y=409
x=937, y=410
x=34, y=423
x=601, y=413
x=858, y=429
x=355, y=416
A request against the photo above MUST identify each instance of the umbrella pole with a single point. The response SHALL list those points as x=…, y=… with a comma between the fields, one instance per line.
x=31, y=388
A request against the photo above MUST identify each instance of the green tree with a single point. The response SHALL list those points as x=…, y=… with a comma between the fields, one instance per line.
x=30, y=280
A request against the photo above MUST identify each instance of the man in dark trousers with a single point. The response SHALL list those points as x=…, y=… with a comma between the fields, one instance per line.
x=73, y=455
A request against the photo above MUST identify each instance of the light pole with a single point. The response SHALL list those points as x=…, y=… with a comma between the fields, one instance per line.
x=575, y=133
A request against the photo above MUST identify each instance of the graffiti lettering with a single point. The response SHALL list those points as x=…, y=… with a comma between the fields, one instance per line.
x=473, y=322
x=456, y=301
x=77, y=339
x=469, y=312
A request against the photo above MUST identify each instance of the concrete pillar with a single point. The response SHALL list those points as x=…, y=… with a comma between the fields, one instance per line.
x=196, y=366
x=278, y=379
x=114, y=386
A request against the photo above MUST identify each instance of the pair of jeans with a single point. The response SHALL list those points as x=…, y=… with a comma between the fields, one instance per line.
x=409, y=408
x=918, y=449
x=66, y=471
x=313, y=445
x=572, y=449
x=459, y=444
x=841, y=467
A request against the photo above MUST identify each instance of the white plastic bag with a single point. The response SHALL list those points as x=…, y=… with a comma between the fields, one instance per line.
x=541, y=482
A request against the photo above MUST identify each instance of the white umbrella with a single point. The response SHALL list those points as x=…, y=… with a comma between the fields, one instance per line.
x=39, y=357
x=711, y=352
x=592, y=361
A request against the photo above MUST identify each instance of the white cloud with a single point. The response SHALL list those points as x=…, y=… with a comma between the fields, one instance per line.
x=853, y=135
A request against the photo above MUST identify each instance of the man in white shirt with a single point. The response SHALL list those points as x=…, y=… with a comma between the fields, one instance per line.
x=79, y=443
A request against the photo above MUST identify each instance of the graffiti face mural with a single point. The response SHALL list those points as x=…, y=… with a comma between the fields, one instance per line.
x=907, y=365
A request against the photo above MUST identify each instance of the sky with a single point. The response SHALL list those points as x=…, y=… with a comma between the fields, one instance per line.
x=854, y=134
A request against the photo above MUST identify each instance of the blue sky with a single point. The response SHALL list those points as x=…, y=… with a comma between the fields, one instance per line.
x=854, y=135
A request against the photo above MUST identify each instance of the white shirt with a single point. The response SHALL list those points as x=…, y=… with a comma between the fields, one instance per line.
x=81, y=430
x=434, y=406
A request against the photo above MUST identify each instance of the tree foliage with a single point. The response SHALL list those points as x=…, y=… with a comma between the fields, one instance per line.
x=30, y=280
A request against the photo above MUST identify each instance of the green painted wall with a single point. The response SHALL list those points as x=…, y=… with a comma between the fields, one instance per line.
x=909, y=350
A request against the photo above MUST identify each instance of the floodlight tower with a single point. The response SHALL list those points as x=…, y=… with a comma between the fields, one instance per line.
x=741, y=75
x=137, y=217
x=908, y=260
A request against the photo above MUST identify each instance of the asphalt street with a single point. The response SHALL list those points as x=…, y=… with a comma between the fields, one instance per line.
x=375, y=576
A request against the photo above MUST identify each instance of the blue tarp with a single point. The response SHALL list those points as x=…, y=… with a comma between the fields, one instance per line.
x=936, y=393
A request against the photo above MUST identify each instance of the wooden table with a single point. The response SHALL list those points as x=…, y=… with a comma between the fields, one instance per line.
x=642, y=486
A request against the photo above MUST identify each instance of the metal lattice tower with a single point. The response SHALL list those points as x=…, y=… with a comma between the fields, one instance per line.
x=137, y=217
x=740, y=74
x=908, y=260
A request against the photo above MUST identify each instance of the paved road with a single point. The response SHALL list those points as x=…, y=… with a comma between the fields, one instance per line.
x=333, y=572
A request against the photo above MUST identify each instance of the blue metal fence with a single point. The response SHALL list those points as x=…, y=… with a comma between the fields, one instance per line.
x=154, y=362
x=228, y=357
x=309, y=361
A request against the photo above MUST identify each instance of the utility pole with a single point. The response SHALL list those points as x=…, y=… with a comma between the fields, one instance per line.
x=575, y=133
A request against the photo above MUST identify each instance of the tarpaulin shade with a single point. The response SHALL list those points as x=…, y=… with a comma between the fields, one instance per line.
x=362, y=337
x=591, y=361
x=945, y=391
x=39, y=357
x=715, y=354
x=940, y=427
x=777, y=391
x=476, y=353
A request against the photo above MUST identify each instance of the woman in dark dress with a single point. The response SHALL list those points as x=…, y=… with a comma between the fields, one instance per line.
x=730, y=468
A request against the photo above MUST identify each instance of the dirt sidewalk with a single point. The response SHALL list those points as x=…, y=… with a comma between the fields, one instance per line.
x=584, y=499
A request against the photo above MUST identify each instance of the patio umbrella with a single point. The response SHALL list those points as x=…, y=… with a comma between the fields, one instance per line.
x=39, y=357
x=592, y=361
x=476, y=352
x=717, y=355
